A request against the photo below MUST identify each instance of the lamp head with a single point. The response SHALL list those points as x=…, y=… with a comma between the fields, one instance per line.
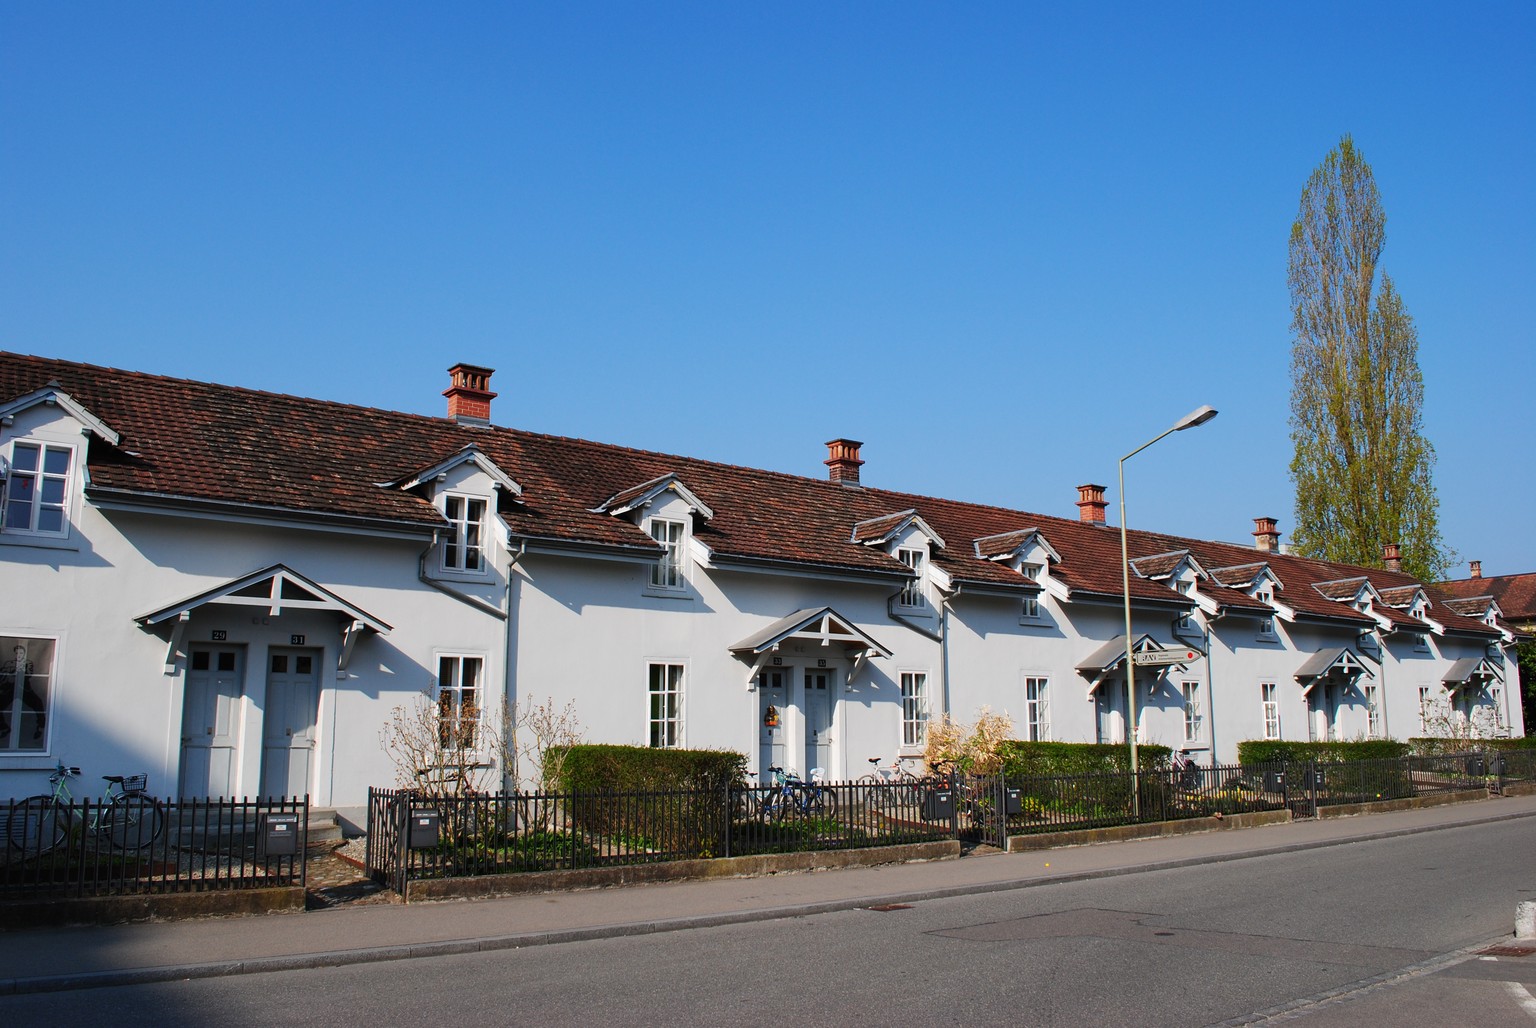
x=1199, y=416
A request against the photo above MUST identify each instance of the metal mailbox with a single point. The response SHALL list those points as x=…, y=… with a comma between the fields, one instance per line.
x=278, y=835
x=1274, y=780
x=425, y=829
x=1013, y=802
x=938, y=804
x=1476, y=765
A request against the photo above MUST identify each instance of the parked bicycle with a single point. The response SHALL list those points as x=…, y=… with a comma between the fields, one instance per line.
x=793, y=797
x=890, y=787
x=125, y=818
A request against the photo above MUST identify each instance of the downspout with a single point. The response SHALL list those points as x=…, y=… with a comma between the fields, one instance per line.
x=509, y=650
x=1210, y=684
x=944, y=611
x=473, y=601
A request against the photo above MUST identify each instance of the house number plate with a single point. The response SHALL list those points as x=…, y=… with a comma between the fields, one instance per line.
x=219, y=635
x=295, y=640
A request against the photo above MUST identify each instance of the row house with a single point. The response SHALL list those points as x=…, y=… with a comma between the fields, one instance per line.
x=234, y=589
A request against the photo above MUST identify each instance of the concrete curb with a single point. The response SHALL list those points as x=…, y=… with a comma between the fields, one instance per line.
x=451, y=947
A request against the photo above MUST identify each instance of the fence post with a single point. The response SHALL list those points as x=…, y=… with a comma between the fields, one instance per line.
x=402, y=819
x=1312, y=781
x=727, y=814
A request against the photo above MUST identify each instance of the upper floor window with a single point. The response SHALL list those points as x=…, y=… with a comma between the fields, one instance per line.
x=1031, y=608
x=1267, y=627
x=37, y=491
x=458, y=701
x=26, y=670
x=667, y=573
x=463, y=550
x=912, y=592
x=1373, y=711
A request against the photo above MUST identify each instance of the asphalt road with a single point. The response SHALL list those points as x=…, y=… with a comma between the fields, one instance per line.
x=1353, y=934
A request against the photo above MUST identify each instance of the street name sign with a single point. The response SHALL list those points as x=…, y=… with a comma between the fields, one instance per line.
x=1155, y=657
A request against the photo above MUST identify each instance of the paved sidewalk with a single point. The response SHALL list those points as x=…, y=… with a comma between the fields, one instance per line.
x=71, y=958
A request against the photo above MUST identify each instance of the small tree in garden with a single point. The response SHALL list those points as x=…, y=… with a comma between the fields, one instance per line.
x=1442, y=721
x=536, y=739
x=972, y=748
x=438, y=749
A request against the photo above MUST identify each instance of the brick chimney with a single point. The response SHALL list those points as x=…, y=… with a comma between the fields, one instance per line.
x=843, y=460
x=1266, y=536
x=470, y=396
x=1392, y=556
x=1090, y=504
x=1477, y=568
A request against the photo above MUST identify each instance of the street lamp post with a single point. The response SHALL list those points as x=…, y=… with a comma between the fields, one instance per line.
x=1198, y=416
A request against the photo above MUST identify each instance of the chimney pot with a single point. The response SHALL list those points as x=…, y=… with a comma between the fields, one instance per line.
x=469, y=394
x=1090, y=504
x=1391, y=555
x=1477, y=568
x=843, y=461
x=1266, y=536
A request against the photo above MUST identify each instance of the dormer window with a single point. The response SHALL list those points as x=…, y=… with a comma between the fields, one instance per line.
x=667, y=573
x=912, y=592
x=1031, y=608
x=38, y=488
x=463, y=549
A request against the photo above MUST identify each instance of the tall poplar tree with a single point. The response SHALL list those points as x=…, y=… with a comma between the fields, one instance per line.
x=1362, y=467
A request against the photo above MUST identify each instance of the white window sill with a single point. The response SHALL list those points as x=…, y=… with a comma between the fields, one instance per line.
x=663, y=593
x=41, y=542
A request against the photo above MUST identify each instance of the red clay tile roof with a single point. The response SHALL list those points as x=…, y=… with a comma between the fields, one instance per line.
x=1515, y=594
x=289, y=456
x=1158, y=564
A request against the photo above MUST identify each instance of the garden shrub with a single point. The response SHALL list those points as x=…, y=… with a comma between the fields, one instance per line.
x=1049, y=759
x=1434, y=746
x=1273, y=751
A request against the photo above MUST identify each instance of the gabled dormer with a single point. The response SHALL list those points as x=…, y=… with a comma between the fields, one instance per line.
x=44, y=441
x=1412, y=601
x=911, y=540
x=1356, y=593
x=1259, y=583
x=669, y=512
x=469, y=490
x=1181, y=572
x=1028, y=552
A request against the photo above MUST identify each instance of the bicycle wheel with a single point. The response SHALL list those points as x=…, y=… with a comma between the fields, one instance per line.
x=871, y=792
x=132, y=822
x=822, y=802
x=36, y=825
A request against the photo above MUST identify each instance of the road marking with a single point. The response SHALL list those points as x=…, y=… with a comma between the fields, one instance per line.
x=1522, y=997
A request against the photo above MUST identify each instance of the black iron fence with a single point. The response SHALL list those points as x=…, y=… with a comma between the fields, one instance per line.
x=138, y=844
x=414, y=837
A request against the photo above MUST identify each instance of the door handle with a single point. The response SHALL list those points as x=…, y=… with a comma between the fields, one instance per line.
x=210, y=731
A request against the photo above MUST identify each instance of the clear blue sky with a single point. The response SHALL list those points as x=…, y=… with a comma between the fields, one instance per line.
x=1002, y=244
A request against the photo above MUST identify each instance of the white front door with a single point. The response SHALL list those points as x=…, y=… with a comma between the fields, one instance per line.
x=1110, y=697
x=772, y=712
x=288, y=733
x=210, y=726
x=818, y=721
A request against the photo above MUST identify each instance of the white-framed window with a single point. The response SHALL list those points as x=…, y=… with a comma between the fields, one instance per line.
x=1424, y=711
x=912, y=591
x=914, y=708
x=1269, y=700
x=667, y=573
x=1030, y=611
x=463, y=549
x=26, y=694
x=1194, y=717
x=459, y=696
x=1037, y=710
x=1421, y=642
x=1373, y=710
x=38, y=488
x=665, y=695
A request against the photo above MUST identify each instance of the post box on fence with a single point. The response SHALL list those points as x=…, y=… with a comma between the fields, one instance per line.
x=1476, y=766
x=278, y=835
x=1274, y=780
x=938, y=803
x=1013, y=802
x=425, y=828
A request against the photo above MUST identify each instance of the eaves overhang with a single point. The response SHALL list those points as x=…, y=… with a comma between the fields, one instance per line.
x=161, y=504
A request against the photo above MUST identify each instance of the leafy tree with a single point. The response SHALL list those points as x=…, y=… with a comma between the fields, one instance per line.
x=1527, y=651
x=1362, y=466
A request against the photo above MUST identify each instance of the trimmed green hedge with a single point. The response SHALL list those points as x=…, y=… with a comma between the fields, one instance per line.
x=1048, y=759
x=1436, y=745
x=592, y=768
x=1268, y=751
x=679, y=795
